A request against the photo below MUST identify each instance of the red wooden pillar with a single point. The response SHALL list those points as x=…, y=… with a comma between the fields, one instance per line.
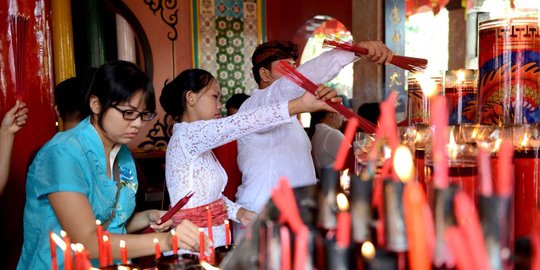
x=25, y=73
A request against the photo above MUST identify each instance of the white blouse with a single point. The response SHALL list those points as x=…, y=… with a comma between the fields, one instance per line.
x=264, y=157
x=325, y=142
x=192, y=167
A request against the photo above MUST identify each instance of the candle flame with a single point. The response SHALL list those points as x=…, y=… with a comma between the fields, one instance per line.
x=368, y=250
x=208, y=266
x=226, y=222
x=428, y=85
x=173, y=232
x=525, y=140
x=460, y=76
x=156, y=241
x=77, y=247
x=59, y=242
x=121, y=267
x=403, y=163
x=123, y=243
x=98, y=222
x=498, y=143
x=105, y=238
x=474, y=133
x=344, y=179
x=342, y=202
x=63, y=233
x=452, y=146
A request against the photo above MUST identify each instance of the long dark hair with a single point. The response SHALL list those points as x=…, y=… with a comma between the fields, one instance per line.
x=173, y=96
x=116, y=82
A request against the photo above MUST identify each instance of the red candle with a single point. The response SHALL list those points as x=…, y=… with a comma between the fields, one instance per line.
x=210, y=231
x=341, y=156
x=123, y=252
x=504, y=173
x=486, y=186
x=285, y=248
x=201, y=244
x=99, y=233
x=301, y=248
x=54, y=263
x=439, y=118
x=174, y=240
x=343, y=221
x=105, y=253
x=227, y=233
x=414, y=201
x=455, y=239
x=158, y=250
x=472, y=230
x=77, y=255
x=68, y=262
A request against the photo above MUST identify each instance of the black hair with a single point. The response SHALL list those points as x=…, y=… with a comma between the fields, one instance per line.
x=370, y=111
x=316, y=117
x=69, y=97
x=271, y=51
x=173, y=96
x=236, y=100
x=117, y=82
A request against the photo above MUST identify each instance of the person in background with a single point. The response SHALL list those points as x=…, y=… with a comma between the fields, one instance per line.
x=285, y=151
x=13, y=121
x=87, y=173
x=69, y=98
x=370, y=111
x=194, y=99
x=325, y=138
x=228, y=153
x=234, y=102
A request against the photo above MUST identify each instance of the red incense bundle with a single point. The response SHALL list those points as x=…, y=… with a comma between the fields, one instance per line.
x=171, y=211
x=286, y=69
x=404, y=62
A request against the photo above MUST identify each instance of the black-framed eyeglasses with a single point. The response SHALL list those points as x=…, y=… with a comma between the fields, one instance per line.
x=134, y=114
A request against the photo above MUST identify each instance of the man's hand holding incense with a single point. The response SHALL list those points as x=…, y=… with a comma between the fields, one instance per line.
x=377, y=52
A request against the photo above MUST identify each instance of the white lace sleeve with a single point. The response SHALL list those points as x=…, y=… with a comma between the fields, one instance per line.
x=319, y=70
x=201, y=136
x=232, y=208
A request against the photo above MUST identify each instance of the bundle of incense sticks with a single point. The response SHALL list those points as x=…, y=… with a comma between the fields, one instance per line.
x=287, y=70
x=408, y=63
x=171, y=211
x=19, y=27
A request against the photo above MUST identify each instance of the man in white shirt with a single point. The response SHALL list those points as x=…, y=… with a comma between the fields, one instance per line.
x=285, y=151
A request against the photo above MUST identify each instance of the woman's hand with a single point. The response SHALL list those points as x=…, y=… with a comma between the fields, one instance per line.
x=188, y=237
x=377, y=51
x=154, y=218
x=246, y=217
x=14, y=119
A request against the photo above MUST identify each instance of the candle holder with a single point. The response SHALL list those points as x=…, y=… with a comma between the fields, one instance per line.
x=178, y=262
x=327, y=198
x=396, y=236
x=222, y=252
x=120, y=267
x=508, y=67
x=444, y=218
x=418, y=104
x=361, y=212
x=337, y=257
x=461, y=93
x=527, y=178
x=494, y=213
x=462, y=164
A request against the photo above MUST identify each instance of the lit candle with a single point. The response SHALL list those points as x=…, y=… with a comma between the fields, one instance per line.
x=68, y=262
x=99, y=233
x=343, y=221
x=174, y=240
x=368, y=250
x=106, y=245
x=77, y=256
x=123, y=252
x=227, y=233
x=54, y=263
x=201, y=244
x=158, y=250
x=414, y=201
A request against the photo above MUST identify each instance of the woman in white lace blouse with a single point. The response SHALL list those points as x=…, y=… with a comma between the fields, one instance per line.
x=193, y=98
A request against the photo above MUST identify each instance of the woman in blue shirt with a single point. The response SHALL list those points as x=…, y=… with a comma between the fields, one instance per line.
x=88, y=173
